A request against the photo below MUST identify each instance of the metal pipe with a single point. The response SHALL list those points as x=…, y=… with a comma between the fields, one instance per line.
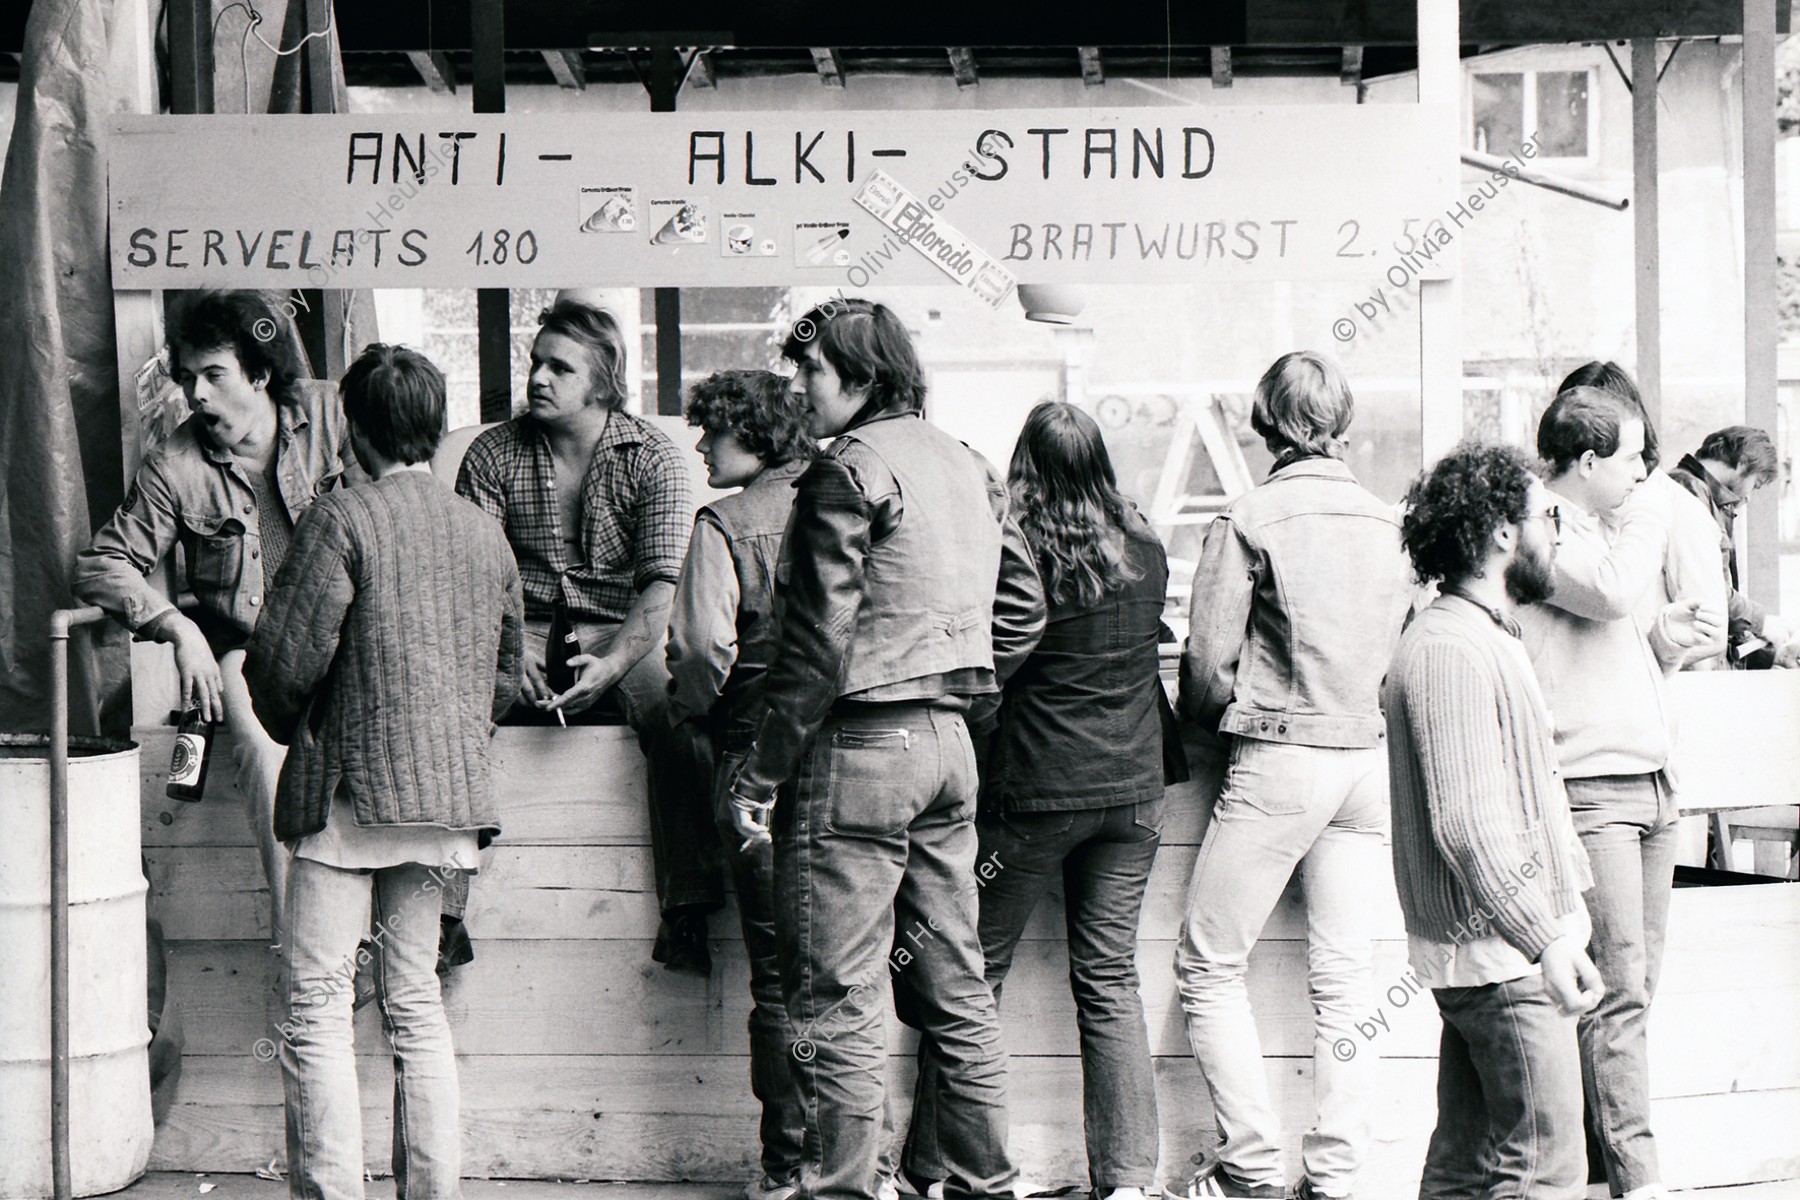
x=61, y=622
x=1553, y=183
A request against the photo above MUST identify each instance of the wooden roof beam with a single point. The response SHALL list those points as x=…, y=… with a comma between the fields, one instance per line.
x=962, y=63
x=828, y=65
x=434, y=68
x=1092, y=73
x=1221, y=66
x=566, y=66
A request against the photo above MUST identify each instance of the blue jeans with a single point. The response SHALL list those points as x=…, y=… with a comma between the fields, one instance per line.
x=328, y=913
x=1282, y=807
x=1627, y=825
x=772, y=1079
x=1102, y=859
x=875, y=872
x=1509, y=1097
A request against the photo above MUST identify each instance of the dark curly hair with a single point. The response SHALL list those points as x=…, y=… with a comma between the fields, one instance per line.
x=245, y=322
x=1453, y=509
x=757, y=406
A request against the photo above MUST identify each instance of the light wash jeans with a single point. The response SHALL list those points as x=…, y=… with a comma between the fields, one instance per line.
x=1284, y=806
x=1627, y=823
x=329, y=913
x=1509, y=1097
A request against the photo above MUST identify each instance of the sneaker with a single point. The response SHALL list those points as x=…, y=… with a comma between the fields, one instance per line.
x=761, y=1187
x=1212, y=1182
x=926, y=1189
x=1304, y=1191
x=681, y=942
x=887, y=1189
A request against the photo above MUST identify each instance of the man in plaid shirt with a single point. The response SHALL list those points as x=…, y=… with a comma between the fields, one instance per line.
x=596, y=505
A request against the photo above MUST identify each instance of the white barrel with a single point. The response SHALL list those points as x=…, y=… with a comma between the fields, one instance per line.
x=109, y=1032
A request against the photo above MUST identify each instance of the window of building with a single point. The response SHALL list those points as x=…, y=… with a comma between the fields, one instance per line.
x=1508, y=106
x=722, y=329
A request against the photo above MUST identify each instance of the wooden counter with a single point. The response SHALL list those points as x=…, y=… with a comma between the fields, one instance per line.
x=582, y=1059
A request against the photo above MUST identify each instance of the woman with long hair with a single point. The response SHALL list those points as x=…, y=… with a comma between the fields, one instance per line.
x=1073, y=789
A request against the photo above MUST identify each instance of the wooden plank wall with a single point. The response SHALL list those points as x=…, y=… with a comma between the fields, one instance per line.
x=581, y=1059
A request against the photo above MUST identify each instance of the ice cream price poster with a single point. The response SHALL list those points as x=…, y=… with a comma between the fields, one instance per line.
x=998, y=197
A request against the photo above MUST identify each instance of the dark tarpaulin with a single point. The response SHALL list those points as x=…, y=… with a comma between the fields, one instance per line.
x=61, y=462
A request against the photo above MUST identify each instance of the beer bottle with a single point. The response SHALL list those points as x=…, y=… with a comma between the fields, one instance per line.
x=193, y=750
x=561, y=645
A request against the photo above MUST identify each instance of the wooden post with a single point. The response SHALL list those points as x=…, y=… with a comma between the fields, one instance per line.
x=1646, y=222
x=190, y=56
x=1764, y=531
x=1440, y=300
x=321, y=87
x=663, y=86
x=493, y=306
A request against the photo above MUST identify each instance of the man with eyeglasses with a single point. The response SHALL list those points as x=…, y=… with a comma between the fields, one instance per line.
x=1601, y=666
x=1486, y=861
x=1730, y=465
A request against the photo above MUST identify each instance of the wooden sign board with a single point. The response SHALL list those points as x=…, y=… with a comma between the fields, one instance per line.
x=1122, y=195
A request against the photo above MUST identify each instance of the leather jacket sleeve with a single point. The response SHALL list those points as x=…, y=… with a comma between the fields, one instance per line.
x=1019, y=606
x=827, y=548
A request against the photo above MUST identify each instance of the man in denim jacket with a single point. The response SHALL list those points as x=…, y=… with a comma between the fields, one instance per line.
x=1297, y=604
x=227, y=487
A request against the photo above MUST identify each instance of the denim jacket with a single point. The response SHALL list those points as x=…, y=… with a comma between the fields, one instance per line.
x=1298, y=602
x=190, y=493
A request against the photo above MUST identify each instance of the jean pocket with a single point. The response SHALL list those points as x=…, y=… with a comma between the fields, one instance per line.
x=1037, y=826
x=218, y=561
x=1148, y=817
x=1274, y=780
x=868, y=773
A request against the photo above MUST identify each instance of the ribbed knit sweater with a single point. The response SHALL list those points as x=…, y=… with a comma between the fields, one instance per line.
x=1483, y=840
x=390, y=643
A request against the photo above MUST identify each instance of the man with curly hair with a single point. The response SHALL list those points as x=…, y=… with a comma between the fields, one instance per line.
x=1486, y=861
x=721, y=642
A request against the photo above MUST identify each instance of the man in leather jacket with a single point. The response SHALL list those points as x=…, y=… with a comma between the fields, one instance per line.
x=890, y=627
